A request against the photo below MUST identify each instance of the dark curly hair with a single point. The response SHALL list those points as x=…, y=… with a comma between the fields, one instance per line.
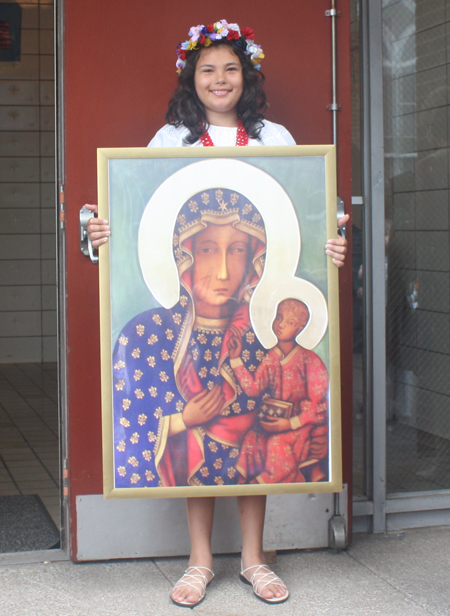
x=185, y=107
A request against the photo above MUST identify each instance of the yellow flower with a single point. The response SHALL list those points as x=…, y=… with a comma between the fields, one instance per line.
x=147, y=455
x=151, y=361
x=138, y=375
x=219, y=481
x=234, y=453
x=149, y=475
x=134, y=438
x=165, y=355
x=153, y=392
x=151, y=437
x=246, y=355
x=124, y=422
x=218, y=463
x=157, y=319
x=183, y=300
x=153, y=338
x=135, y=478
x=139, y=394
x=158, y=413
x=231, y=472
x=251, y=405
x=126, y=404
x=120, y=385
x=207, y=355
x=169, y=396
x=132, y=460
x=142, y=419
x=250, y=337
x=140, y=329
x=123, y=340
x=136, y=353
x=176, y=318
x=213, y=446
x=121, y=470
x=204, y=471
x=121, y=446
x=236, y=407
x=169, y=334
x=120, y=364
x=179, y=406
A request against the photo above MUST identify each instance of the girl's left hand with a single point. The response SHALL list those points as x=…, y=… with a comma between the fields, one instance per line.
x=337, y=248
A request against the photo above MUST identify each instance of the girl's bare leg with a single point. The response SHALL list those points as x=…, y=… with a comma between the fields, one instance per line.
x=252, y=511
x=200, y=512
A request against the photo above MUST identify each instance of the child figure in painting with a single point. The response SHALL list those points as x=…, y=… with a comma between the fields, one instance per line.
x=276, y=451
x=220, y=101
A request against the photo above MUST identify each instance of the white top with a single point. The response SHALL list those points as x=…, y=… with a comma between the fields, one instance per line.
x=172, y=137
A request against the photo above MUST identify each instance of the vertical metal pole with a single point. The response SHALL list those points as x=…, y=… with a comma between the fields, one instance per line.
x=334, y=104
x=377, y=236
x=61, y=264
x=334, y=109
x=367, y=255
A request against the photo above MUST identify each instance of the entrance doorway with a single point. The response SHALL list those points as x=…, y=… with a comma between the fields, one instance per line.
x=29, y=433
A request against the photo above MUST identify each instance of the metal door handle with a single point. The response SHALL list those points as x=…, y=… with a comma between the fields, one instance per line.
x=341, y=212
x=85, y=243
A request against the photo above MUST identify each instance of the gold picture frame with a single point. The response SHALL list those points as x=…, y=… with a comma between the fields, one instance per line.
x=280, y=204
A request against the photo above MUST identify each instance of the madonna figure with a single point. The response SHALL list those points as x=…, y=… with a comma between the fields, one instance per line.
x=180, y=416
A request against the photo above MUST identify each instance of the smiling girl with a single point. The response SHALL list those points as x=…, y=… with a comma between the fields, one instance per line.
x=220, y=101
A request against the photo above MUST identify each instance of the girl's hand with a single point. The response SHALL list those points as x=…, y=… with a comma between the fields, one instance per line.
x=276, y=424
x=203, y=407
x=235, y=343
x=337, y=248
x=98, y=229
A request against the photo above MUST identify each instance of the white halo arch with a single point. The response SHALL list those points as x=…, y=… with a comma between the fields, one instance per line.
x=283, y=242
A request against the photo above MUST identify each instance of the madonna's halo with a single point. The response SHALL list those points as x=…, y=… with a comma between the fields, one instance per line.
x=278, y=281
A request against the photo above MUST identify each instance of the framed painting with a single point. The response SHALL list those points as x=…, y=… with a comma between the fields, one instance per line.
x=219, y=321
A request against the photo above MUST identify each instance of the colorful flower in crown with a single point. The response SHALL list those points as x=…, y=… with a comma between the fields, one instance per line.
x=204, y=36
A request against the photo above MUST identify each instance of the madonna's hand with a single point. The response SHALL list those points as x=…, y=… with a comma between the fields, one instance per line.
x=98, y=229
x=203, y=407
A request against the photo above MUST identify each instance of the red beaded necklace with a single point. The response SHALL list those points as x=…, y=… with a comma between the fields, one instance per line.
x=241, y=137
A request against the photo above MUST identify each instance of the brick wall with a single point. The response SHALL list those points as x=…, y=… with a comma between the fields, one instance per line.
x=27, y=194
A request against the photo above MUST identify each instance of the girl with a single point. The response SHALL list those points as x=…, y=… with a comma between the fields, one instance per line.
x=220, y=101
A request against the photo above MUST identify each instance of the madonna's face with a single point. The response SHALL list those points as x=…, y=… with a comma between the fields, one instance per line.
x=221, y=259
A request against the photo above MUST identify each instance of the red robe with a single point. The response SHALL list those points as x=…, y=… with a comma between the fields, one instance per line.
x=301, y=378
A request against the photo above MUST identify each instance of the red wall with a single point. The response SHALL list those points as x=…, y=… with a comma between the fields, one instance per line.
x=119, y=74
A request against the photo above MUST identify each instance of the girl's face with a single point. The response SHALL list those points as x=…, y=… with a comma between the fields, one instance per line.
x=219, y=83
x=221, y=257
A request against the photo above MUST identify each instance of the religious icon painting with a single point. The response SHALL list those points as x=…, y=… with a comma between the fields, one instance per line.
x=219, y=322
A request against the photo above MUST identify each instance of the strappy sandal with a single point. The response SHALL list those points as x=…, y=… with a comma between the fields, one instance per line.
x=262, y=577
x=196, y=579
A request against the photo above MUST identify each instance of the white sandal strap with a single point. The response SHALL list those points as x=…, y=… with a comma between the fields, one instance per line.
x=195, y=575
x=266, y=577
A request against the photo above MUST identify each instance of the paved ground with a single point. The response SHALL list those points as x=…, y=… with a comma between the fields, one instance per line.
x=406, y=574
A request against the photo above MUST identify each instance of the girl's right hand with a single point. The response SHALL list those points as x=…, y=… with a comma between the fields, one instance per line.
x=203, y=407
x=98, y=229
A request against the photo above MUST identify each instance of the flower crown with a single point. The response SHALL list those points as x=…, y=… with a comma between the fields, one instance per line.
x=203, y=36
